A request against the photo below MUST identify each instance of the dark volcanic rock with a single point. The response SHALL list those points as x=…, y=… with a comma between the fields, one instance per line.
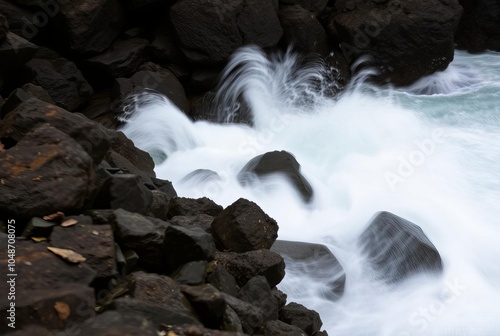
x=231, y=321
x=257, y=292
x=250, y=316
x=182, y=206
x=4, y=28
x=244, y=266
x=315, y=262
x=280, y=162
x=16, y=18
x=112, y=323
x=45, y=172
x=479, y=27
x=406, y=40
x=259, y=24
x=192, y=330
x=303, y=31
x=314, y=6
x=199, y=221
x=94, y=242
x=139, y=158
x=299, y=316
x=398, y=248
x=243, y=226
x=221, y=279
x=15, y=51
x=62, y=80
x=191, y=273
x=37, y=92
x=208, y=303
x=38, y=227
x=279, y=328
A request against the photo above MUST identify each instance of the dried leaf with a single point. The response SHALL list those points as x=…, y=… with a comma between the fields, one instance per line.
x=54, y=216
x=38, y=239
x=37, y=178
x=2, y=147
x=62, y=310
x=69, y=222
x=94, y=232
x=68, y=255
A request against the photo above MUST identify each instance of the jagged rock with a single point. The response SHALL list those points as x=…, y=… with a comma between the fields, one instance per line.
x=164, y=47
x=406, y=40
x=243, y=226
x=297, y=315
x=137, y=233
x=191, y=330
x=397, y=248
x=231, y=321
x=208, y=303
x=257, y=292
x=191, y=273
x=221, y=279
x=37, y=92
x=31, y=113
x=45, y=172
x=159, y=207
x=280, y=297
x=16, y=17
x=94, y=242
x=15, y=51
x=244, y=266
x=4, y=28
x=314, y=6
x=165, y=186
x=184, y=245
x=182, y=206
x=302, y=30
x=251, y=317
x=280, y=162
x=112, y=323
x=139, y=158
x=279, y=328
x=199, y=221
x=317, y=263
x=38, y=227
x=15, y=98
x=124, y=165
x=259, y=24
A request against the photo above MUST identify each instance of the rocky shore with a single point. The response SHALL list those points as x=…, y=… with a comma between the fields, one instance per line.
x=98, y=244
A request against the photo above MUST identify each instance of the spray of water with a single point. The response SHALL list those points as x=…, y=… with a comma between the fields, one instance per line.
x=429, y=153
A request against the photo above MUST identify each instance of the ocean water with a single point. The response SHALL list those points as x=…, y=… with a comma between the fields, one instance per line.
x=429, y=153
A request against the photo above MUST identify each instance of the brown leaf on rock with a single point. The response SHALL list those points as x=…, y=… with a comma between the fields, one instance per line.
x=69, y=222
x=54, y=216
x=38, y=239
x=62, y=310
x=68, y=255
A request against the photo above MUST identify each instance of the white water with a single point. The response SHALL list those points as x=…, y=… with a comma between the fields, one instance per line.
x=351, y=150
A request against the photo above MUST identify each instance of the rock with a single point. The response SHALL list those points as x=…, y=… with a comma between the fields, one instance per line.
x=90, y=26
x=30, y=330
x=221, y=279
x=122, y=59
x=124, y=191
x=31, y=113
x=45, y=172
x=251, y=317
x=184, y=245
x=124, y=165
x=208, y=303
x=244, y=266
x=259, y=24
x=398, y=248
x=317, y=263
x=112, y=323
x=279, y=328
x=53, y=308
x=479, y=27
x=15, y=52
x=257, y=292
x=299, y=316
x=137, y=233
x=4, y=28
x=280, y=297
x=199, y=221
x=164, y=47
x=15, y=98
x=38, y=92
x=94, y=242
x=302, y=30
x=191, y=273
x=231, y=321
x=194, y=330
x=16, y=17
x=203, y=80
x=207, y=30
x=182, y=206
x=165, y=186
x=62, y=80
x=277, y=162
x=38, y=227
x=243, y=227
x=314, y=6
x=406, y=40
x=159, y=207
x=139, y=158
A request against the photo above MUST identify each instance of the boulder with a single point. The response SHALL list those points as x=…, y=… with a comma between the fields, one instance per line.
x=243, y=227
x=16, y=97
x=297, y=315
x=314, y=6
x=257, y=292
x=202, y=221
x=159, y=206
x=165, y=186
x=164, y=47
x=139, y=158
x=112, y=323
x=231, y=321
x=404, y=40
x=244, y=266
x=38, y=92
x=251, y=317
x=182, y=206
x=479, y=27
x=315, y=262
x=279, y=328
x=221, y=279
x=62, y=80
x=4, y=28
x=208, y=303
x=188, y=330
x=38, y=227
x=15, y=51
x=16, y=18
x=191, y=273
x=45, y=172
x=259, y=24
x=397, y=248
x=277, y=162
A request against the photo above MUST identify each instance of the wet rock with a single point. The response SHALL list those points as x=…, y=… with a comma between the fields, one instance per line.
x=259, y=24
x=123, y=165
x=139, y=158
x=279, y=296
x=191, y=273
x=37, y=92
x=257, y=292
x=184, y=245
x=94, y=242
x=208, y=303
x=4, y=28
x=203, y=222
x=165, y=186
x=62, y=80
x=244, y=266
x=397, y=248
x=231, y=321
x=279, y=328
x=159, y=207
x=31, y=113
x=112, y=323
x=221, y=279
x=182, y=206
x=243, y=226
x=45, y=172
x=250, y=316
x=297, y=315
x=280, y=162
x=315, y=262
x=15, y=98
x=406, y=40
x=193, y=330
x=38, y=227
x=314, y=6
